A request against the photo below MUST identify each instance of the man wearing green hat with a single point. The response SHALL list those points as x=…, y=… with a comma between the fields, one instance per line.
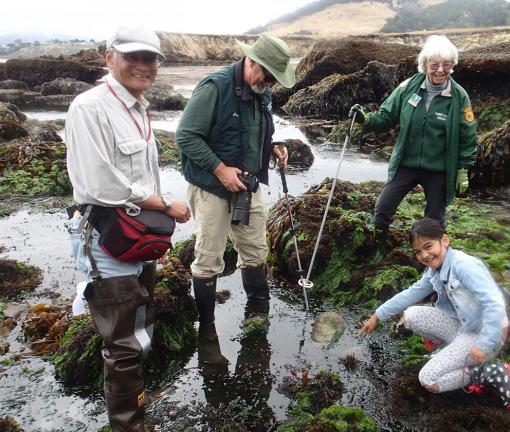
x=225, y=141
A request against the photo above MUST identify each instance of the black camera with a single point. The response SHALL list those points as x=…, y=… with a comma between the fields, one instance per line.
x=242, y=200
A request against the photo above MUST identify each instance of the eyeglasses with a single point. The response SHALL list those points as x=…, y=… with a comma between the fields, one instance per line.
x=268, y=76
x=435, y=66
x=144, y=57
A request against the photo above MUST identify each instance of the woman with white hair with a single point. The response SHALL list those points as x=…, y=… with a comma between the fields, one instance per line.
x=437, y=140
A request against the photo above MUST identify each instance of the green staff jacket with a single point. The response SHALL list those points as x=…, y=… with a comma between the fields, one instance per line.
x=441, y=139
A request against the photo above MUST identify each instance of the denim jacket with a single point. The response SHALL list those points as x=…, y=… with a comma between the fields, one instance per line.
x=465, y=290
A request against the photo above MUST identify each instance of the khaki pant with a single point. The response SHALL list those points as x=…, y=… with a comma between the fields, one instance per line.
x=213, y=228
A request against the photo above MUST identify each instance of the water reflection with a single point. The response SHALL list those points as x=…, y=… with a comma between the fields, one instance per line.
x=249, y=386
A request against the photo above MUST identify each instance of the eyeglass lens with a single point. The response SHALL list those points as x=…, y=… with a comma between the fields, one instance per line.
x=268, y=76
x=446, y=66
x=140, y=57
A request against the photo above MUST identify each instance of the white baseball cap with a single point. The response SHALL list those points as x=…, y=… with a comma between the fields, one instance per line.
x=127, y=39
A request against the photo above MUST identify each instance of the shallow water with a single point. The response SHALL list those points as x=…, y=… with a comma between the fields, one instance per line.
x=34, y=398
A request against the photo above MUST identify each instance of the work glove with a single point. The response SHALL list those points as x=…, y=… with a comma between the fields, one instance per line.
x=360, y=113
x=462, y=182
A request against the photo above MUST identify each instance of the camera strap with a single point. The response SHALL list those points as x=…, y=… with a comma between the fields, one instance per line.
x=239, y=84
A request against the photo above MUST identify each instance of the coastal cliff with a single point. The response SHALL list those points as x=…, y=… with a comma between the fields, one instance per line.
x=218, y=49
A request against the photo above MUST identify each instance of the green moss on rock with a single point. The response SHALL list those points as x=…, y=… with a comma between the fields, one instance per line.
x=344, y=419
x=344, y=270
x=332, y=419
x=413, y=350
x=8, y=424
x=169, y=153
x=492, y=114
x=17, y=278
x=34, y=168
x=78, y=362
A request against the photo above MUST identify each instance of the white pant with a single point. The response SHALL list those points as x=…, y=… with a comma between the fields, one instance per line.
x=448, y=367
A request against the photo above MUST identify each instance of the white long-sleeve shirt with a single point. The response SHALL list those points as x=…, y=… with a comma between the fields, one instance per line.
x=108, y=161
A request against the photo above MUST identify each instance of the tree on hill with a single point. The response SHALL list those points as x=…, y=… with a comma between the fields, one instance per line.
x=451, y=14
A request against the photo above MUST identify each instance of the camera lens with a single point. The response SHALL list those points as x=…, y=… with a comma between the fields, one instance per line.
x=241, y=208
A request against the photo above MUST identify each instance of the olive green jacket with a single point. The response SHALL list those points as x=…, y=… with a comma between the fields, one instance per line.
x=445, y=141
x=219, y=126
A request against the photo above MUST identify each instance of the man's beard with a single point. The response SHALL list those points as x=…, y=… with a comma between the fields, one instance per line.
x=255, y=88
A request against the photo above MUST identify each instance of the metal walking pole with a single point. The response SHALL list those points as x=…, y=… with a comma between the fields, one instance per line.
x=305, y=284
x=347, y=137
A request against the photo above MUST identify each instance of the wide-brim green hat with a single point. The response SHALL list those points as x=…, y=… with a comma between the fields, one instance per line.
x=272, y=53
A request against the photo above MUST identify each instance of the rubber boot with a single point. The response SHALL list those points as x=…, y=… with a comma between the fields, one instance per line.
x=380, y=237
x=205, y=299
x=257, y=290
x=126, y=411
x=119, y=307
x=257, y=303
x=494, y=375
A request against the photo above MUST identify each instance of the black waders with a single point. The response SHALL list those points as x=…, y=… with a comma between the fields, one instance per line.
x=120, y=307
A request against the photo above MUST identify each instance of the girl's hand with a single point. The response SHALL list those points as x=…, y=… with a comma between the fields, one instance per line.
x=369, y=325
x=477, y=355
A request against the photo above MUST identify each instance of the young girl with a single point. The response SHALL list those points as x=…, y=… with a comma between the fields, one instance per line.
x=468, y=318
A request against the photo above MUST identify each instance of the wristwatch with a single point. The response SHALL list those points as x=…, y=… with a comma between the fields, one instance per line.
x=167, y=204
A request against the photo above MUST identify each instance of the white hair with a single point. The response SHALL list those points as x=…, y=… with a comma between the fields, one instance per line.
x=437, y=47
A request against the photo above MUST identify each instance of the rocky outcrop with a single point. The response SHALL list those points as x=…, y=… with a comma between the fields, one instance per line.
x=11, y=120
x=493, y=160
x=57, y=95
x=464, y=39
x=13, y=84
x=335, y=94
x=483, y=72
x=17, y=278
x=163, y=97
x=38, y=71
x=345, y=270
x=34, y=100
x=217, y=49
x=8, y=424
x=64, y=86
x=91, y=57
x=35, y=163
x=300, y=153
x=343, y=57
x=169, y=152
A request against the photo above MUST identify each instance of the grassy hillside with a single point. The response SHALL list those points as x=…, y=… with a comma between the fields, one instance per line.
x=326, y=18
x=338, y=20
x=450, y=14
x=309, y=9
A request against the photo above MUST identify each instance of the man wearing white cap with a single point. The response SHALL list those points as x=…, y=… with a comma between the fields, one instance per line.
x=225, y=140
x=112, y=160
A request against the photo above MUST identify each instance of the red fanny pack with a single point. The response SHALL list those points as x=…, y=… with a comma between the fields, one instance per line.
x=144, y=237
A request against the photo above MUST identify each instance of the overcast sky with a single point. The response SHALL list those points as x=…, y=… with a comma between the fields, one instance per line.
x=96, y=18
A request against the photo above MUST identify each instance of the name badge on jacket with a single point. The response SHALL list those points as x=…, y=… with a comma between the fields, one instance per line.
x=414, y=100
